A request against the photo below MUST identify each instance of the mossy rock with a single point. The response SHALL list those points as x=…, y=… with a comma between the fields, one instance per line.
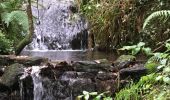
x=11, y=74
x=124, y=61
x=124, y=58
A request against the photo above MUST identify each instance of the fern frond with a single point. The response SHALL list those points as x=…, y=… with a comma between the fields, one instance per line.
x=163, y=15
x=10, y=5
x=19, y=16
x=5, y=5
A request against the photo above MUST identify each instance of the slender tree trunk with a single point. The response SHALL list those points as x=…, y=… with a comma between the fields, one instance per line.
x=28, y=38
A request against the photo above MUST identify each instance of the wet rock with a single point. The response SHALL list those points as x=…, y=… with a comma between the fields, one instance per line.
x=14, y=95
x=69, y=75
x=73, y=9
x=86, y=75
x=80, y=84
x=63, y=66
x=11, y=75
x=27, y=61
x=134, y=72
x=33, y=61
x=4, y=96
x=90, y=66
x=2, y=70
x=54, y=71
x=55, y=88
x=106, y=85
x=66, y=81
x=6, y=59
x=102, y=61
x=48, y=71
x=26, y=89
x=106, y=76
x=124, y=61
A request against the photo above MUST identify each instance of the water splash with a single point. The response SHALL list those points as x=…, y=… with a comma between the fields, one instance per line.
x=58, y=26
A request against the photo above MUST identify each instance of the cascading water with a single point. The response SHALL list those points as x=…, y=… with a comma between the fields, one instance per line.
x=58, y=26
x=37, y=81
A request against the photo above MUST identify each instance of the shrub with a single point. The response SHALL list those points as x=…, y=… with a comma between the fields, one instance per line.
x=5, y=44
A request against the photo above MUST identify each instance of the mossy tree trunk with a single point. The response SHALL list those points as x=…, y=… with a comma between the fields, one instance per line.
x=28, y=38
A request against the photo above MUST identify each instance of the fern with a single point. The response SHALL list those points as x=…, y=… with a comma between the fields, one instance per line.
x=10, y=5
x=19, y=16
x=161, y=15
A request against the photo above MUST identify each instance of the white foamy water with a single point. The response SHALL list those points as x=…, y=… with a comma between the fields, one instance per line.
x=56, y=25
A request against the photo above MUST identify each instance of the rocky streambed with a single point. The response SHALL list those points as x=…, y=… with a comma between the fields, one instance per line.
x=36, y=78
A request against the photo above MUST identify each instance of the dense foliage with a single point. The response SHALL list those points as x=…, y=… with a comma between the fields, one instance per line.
x=6, y=44
x=119, y=22
x=116, y=23
x=154, y=86
x=14, y=23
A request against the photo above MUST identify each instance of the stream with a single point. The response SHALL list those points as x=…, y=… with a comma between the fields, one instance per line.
x=70, y=55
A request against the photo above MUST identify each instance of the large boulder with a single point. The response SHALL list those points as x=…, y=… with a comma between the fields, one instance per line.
x=135, y=72
x=90, y=66
x=124, y=61
x=32, y=61
x=11, y=75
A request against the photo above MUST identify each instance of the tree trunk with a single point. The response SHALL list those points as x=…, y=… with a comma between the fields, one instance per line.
x=28, y=38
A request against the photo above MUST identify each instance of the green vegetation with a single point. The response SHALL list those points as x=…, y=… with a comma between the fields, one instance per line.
x=6, y=44
x=94, y=96
x=14, y=25
x=135, y=49
x=115, y=23
x=154, y=86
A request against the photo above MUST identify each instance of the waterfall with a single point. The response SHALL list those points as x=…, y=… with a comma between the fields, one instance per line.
x=37, y=81
x=58, y=26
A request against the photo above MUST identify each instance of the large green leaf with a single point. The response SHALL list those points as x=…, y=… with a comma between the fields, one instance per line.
x=140, y=44
x=135, y=51
x=19, y=16
x=147, y=50
x=128, y=47
x=167, y=46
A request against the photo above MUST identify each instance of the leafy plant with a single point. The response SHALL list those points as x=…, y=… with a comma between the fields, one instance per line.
x=154, y=86
x=19, y=17
x=128, y=93
x=94, y=96
x=135, y=49
x=114, y=23
x=15, y=22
